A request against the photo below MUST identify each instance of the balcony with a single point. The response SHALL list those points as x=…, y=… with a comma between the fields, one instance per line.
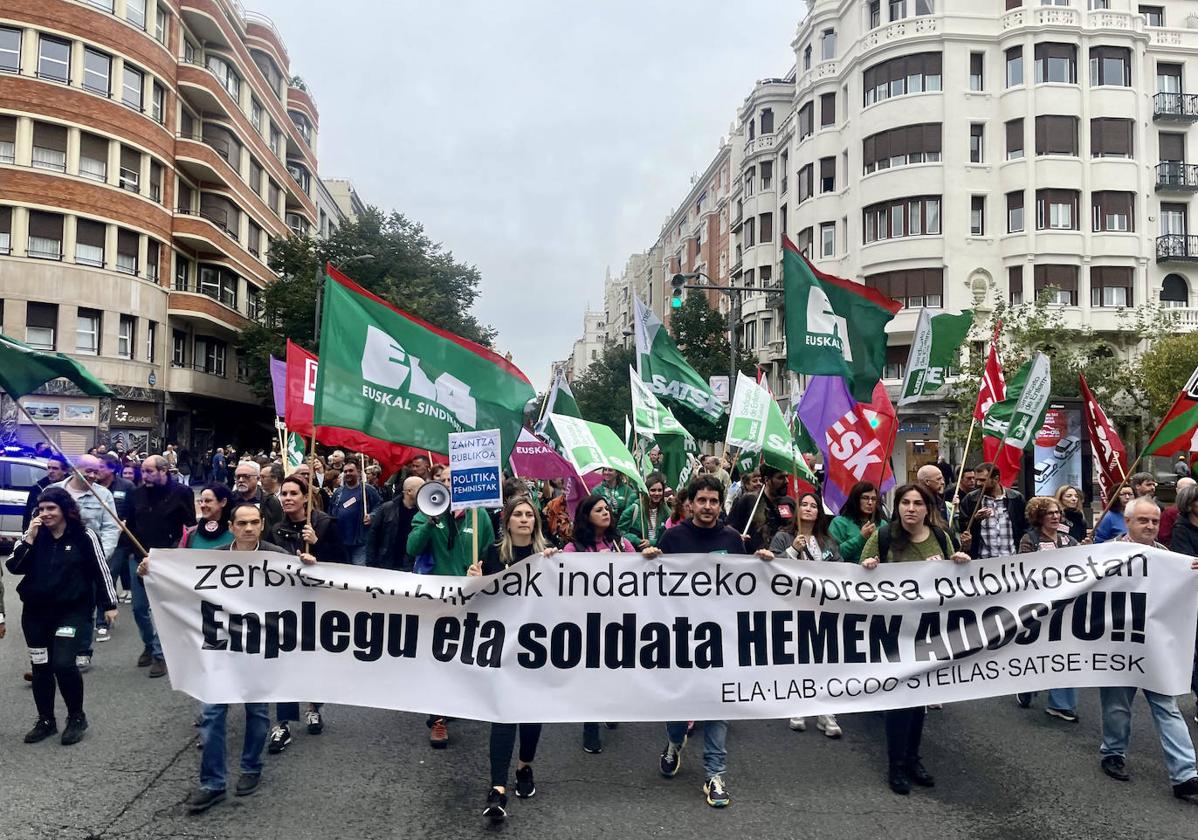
x=1174, y=176
x=1176, y=247
x=1179, y=107
x=775, y=297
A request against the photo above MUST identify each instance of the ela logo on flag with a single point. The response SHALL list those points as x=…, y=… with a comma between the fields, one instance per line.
x=824, y=327
x=386, y=364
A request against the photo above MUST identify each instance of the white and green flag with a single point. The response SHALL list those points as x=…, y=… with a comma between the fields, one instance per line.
x=757, y=425
x=560, y=400
x=593, y=446
x=935, y=347
x=667, y=372
x=295, y=452
x=1013, y=422
x=649, y=416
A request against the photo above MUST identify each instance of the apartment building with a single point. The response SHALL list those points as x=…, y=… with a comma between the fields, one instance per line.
x=588, y=347
x=150, y=152
x=636, y=280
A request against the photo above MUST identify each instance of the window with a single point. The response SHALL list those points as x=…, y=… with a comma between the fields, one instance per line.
x=807, y=57
x=1056, y=135
x=895, y=366
x=210, y=356
x=1175, y=291
x=49, y=147
x=255, y=240
x=272, y=196
x=1015, y=212
x=253, y=303
x=255, y=176
x=152, y=255
x=1062, y=279
x=898, y=9
x=827, y=175
x=156, y=181
x=6, y=233
x=178, y=349
x=126, y=252
x=219, y=284
x=765, y=227
x=1056, y=209
x=54, y=59
x=806, y=182
x=161, y=25
x=182, y=274
x=827, y=45
x=1113, y=211
x=1172, y=147
x=1056, y=63
x=256, y=115
x=827, y=109
x=1110, y=285
x=875, y=13
x=782, y=220
x=89, y=243
x=93, y=157
x=125, y=334
x=977, y=215
x=902, y=217
x=976, y=139
x=976, y=75
x=750, y=232
x=45, y=236
x=151, y=340
x=97, y=71
x=925, y=7
x=135, y=13
x=805, y=121
x=157, y=98
x=767, y=176
x=1015, y=285
x=87, y=332
x=1014, y=139
x=10, y=49
x=1153, y=15
x=131, y=89
x=276, y=141
x=130, y=169
x=912, y=288
x=827, y=239
x=901, y=147
x=225, y=74
x=1111, y=137
x=1014, y=66
x=41, y=325
x=919, y=73
x=1110, y=66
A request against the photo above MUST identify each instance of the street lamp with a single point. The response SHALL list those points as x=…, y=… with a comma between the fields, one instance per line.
x=320, y=289
x=678, y=281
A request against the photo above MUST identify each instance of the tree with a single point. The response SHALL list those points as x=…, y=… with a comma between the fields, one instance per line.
x=1166, y=368
x=701, y=333
x=405, y=268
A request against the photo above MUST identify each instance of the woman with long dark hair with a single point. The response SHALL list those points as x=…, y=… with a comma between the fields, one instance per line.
x=859, y=517
x=212, y=531
x=595, y=531
x=910, y=536
x=644, y=521
x=522, y=538
x=65, y=578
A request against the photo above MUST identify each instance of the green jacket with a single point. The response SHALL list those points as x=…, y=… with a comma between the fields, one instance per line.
x=619, y=498
x=847, y=534
x=630, y=524
x=450, y=541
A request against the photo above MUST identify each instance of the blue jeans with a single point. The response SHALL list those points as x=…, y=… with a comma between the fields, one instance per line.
x=212, y=736
x=1170, y=726
x=141, y=612
x=715, y=737
x=1064, y=699
x=356, y=554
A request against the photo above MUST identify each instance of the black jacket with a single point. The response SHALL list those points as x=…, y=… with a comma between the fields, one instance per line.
x=1185, y=537
x=158, y=514
x=289, y=536
x=778, y=512
x=688, y=538
x=68, y=572
x=387, y=538
x=1015, y=507
x=31, y=502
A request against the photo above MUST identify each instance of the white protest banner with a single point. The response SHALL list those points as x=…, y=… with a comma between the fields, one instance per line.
x=474, y=471
x=681, y=637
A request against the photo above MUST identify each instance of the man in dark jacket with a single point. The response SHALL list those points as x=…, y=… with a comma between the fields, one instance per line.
x=387, y=542
x=56, y=471
x=763, y=520
x=159, y=510
x=999, y=523
x=245, y=488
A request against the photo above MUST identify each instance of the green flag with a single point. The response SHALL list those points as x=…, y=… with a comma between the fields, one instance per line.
x=396, y=378
x=1012, y=423
x=757, y=425
x=649, y=416
x=593, y=446
x=295, y=452
x=559, y=400
x=834, y=326
x=667, y=372
x=935, y=347
x=23, y=370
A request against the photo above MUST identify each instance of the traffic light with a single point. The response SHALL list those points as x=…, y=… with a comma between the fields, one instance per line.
x=677, y=282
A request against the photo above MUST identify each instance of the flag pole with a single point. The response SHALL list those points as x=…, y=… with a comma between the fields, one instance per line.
x=753, y=512
x=362, y=470
x=474, y=535
x=964, y=460
x=1115, y=491
x=75, y=472
x=311, y=453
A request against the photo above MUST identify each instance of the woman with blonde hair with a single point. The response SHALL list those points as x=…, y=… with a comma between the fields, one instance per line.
x=1072, y=518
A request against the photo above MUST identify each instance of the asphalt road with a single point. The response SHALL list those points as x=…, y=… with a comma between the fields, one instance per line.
x=1002, y=773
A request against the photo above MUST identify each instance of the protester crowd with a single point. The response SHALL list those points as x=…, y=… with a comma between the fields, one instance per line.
x=89, y=524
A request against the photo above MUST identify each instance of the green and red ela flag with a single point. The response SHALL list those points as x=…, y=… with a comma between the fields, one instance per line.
x=394, y=377
x=834, y=327
x=1177, y=432
x=23, y=370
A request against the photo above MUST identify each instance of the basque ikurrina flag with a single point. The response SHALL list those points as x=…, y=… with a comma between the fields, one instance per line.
x=1178, y=432
x=397, y=378
x=834, y=327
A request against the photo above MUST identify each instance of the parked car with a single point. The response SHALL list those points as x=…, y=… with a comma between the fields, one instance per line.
x=18, y=475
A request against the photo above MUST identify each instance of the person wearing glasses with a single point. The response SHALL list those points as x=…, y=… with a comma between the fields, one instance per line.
x=1044, y=516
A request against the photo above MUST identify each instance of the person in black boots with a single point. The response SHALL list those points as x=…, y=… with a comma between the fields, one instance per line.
x=911, y=535
x=65, y=578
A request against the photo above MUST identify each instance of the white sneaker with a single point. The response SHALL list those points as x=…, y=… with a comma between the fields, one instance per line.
x=827, y=724
x=798, y=724
x=83, y=663
x=103, y=634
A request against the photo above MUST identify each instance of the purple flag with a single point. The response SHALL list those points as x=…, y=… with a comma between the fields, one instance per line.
x=278, y=379
x=532, y=458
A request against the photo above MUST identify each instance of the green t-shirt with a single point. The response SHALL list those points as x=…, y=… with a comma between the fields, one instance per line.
x=925, y=550
x=197, y=538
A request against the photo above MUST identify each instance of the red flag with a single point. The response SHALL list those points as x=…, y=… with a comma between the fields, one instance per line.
x=994, y=389
x=1109, y=452
x=861, y=442
x=301, y=398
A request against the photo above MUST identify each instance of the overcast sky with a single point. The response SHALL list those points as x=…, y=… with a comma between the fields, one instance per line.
x=541, y=140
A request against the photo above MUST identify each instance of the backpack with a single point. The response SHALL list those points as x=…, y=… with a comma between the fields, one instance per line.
x=884, y=542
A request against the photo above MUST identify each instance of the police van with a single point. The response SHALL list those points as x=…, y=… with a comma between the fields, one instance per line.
x=18, y=475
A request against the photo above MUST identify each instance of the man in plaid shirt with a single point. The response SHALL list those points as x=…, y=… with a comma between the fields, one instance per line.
x=999, y=521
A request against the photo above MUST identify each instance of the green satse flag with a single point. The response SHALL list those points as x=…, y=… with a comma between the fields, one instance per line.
x=834, y=326
x=935, y=347
x=667, y=372
x=649, y=416
x=560, y=400
x=1178, y=431
x=757, y=425
x=23, y=370
x=1015, y=420
x=594, y=446
x=295, y=452
x=395, y=378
